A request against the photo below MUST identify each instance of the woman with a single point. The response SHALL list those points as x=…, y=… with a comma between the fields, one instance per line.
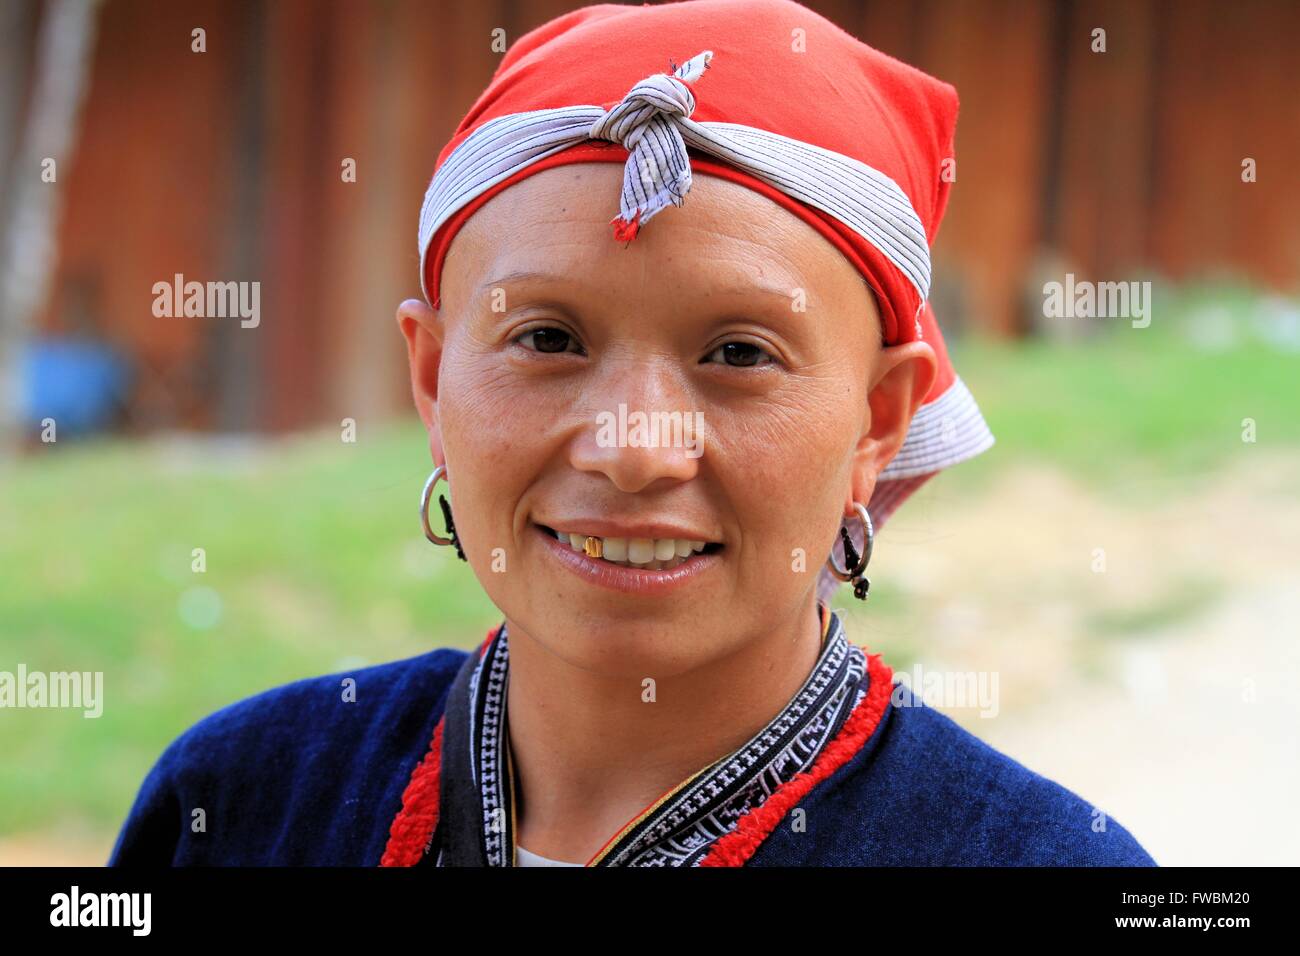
x=655, y=441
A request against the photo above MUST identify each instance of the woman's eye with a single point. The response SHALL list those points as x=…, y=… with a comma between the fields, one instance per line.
x=741, y=354
x=547, y=339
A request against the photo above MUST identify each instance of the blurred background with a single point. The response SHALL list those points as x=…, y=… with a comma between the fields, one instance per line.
x=1123, y=560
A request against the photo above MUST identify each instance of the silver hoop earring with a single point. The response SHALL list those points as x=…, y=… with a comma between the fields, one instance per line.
x=857, y=565
x=425, y=497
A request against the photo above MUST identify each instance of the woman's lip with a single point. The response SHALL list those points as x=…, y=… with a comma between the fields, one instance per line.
x=609, y=529
x=617, y=577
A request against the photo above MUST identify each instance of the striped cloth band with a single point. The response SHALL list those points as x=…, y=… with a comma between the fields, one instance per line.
x=653, y=123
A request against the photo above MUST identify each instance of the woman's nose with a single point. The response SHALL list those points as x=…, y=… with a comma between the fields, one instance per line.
x=643, y=429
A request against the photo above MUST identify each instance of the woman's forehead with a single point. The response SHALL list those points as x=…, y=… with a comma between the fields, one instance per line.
x=725, y=239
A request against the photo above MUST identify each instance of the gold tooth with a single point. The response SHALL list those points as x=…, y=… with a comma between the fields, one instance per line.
x=592, y=547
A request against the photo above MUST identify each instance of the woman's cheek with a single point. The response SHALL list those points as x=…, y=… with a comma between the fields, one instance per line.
x=486, y=455
x=785, y=465
x=789, y=442
x=484, y=394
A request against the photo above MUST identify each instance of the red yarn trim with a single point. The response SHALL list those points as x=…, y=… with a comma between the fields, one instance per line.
x=415, y=822
x=754, y=827
x=413, y=827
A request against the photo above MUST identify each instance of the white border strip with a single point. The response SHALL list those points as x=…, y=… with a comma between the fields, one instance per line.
x=946, y=431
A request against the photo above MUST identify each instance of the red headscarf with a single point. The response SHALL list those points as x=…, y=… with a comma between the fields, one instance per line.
x=765, y=93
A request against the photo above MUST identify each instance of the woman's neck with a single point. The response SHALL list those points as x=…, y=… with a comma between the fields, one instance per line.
x=590, y=753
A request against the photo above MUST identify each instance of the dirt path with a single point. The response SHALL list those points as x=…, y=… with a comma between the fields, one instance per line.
x=1162, y=688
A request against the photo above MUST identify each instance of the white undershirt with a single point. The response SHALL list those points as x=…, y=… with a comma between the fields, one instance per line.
x=525, y=858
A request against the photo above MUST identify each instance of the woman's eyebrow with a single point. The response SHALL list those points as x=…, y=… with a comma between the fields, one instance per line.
x=760, y=288
x=536, y=276
x=519, y=275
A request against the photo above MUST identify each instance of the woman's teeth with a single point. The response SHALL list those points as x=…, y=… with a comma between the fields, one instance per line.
x=655, y=554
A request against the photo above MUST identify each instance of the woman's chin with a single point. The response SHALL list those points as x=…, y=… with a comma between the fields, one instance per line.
x=612, y=638
x=633, y=650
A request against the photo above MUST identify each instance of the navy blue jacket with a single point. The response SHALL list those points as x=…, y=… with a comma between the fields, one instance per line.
x=298, y=776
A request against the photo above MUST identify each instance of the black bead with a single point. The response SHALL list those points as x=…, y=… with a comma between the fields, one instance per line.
x=451, y=527
x=851, y=556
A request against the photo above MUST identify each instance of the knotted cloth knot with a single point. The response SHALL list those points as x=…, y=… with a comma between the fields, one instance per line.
x=646, y=123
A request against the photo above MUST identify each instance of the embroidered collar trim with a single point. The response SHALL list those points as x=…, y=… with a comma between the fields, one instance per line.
x=469, y=819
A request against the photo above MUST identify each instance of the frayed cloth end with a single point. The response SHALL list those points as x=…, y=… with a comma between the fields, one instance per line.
x=625, y=230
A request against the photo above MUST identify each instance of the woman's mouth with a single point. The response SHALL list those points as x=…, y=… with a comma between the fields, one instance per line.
x=643, y=565
x=653, y=554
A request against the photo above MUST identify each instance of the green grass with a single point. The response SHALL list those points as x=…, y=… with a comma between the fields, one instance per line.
x=315, y=562
x=1136, y=403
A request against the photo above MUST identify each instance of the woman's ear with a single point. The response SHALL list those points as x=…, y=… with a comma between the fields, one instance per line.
x=422, y=328
x=900, y=380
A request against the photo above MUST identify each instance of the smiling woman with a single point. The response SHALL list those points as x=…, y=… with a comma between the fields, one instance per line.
x=668, y=685
x=666, y=324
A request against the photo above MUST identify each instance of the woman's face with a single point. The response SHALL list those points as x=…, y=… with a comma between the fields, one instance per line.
x=740, y=335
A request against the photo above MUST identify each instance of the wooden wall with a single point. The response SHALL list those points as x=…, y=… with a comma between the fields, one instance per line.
x=226, y=165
